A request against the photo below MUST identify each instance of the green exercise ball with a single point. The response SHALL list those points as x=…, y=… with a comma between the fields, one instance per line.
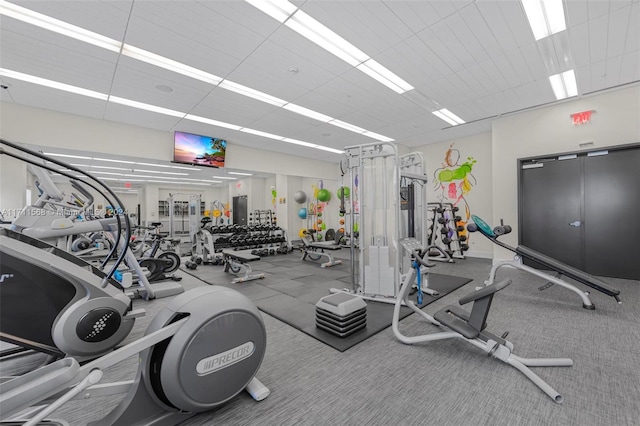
x=343, y=190
x=324, y=195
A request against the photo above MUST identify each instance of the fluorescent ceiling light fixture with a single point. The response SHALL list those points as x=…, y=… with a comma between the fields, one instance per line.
x=53, y=84
x=260, y=133
x=564, y=85
x=448, y=116
x=252, y=93
x=326, y=148
x=225, y=177
x=169, y=64
x=377, y=136
x=164, y=173
x=114, y=161
x=545, y=17
x=184, y=168
x=211, y=181
x=54, y=154
x=347, y=126
x=376, y=71
x=301, y=143
x=104, y=167
x=153, y=165
x=146, y=107
x=240, y=174
x=212, y=122
x=60, y=27
x=307, y=112
x=277, y=9
x=313, y=30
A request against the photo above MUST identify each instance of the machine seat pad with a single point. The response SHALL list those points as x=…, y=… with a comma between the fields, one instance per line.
x=567, y=270
x=326, y=245
x=449, y=317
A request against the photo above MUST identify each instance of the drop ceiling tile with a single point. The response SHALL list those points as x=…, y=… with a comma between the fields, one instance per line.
x=535, y=64
x=492, y=14
x=368, y=25
x=232, y=108
x=579, y=38
x=445, y=44
x=519, y=64
x=56, y=100
x=630, y=68
x=138, y=117
x=612, y=71
x=598, y=9
x=513, y=13
x=576, y=12
x=511, y=77
x=478, y=27
x=108, y=18
x=633, y=36
x=598, y=75
x=417, y=15
x=618, y=29
x=598, y=31
x=583, y=79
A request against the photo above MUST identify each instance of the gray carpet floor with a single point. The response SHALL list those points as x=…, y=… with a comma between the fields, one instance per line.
x=450, y=382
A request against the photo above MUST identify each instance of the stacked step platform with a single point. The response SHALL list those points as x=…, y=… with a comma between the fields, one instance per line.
x=341, y=314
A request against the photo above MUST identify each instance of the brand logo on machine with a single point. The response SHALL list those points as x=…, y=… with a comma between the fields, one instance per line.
x=5, y=277
x=225, y=359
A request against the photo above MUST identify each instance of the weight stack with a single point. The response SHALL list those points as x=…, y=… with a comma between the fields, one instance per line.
x=341, y=314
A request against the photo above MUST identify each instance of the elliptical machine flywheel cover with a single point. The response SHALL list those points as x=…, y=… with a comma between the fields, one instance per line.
x=214, y=355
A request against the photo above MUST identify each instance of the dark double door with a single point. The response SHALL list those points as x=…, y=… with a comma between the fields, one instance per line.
x=583, y=210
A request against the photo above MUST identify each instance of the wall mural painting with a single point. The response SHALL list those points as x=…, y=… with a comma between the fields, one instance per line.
x=453, y=181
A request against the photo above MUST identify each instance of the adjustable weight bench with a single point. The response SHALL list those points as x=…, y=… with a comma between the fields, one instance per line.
x=236, y=261
x=315, y=250
x=550, y=263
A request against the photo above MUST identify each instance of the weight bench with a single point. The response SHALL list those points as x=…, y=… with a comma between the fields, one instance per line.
x=236, y=261
x=315, y=250
x=523, y=252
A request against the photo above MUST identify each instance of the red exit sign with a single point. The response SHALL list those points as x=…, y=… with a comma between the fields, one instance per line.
x=582, y=117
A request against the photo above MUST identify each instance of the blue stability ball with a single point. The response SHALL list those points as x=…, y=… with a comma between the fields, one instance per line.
x=300, y=197
x=302, y=213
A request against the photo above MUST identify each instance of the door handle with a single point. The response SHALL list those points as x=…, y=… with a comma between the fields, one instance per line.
x=576, y=223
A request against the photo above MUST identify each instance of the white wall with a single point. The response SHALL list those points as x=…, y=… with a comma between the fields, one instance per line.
x=23, y=124
x=479, y=198
x=616, y=121
x=13, y=185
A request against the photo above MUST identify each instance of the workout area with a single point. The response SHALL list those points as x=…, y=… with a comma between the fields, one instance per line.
x=253, y=212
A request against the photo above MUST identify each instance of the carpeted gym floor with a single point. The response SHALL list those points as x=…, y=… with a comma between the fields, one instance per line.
x=381, y=381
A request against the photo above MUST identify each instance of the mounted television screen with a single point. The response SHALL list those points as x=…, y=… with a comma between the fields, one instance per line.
x=199, y=150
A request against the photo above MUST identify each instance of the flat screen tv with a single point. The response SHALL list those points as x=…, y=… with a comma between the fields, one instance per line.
x=199, y=150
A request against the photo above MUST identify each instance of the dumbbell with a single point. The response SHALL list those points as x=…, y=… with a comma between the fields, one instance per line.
x=472, y=227
x=502, y=229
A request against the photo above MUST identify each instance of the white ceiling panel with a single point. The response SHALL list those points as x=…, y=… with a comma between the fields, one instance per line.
x=232, y=108
x=366, y=24
x=106, y=17
x=492, y=14
x=445, y=45
x=598, y=8
x=579, y=38
x=598, y=31
x=416, y=15
x=479, y=29
x=46, y=98
x=618, y=29
x=630, y=68
x=476, y=58
x=576, y=12
x=137, y=117
x=633, y=36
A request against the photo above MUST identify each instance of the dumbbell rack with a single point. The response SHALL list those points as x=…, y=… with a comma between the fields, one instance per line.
x=261, y=217
x=446, y=230
x=265, y=239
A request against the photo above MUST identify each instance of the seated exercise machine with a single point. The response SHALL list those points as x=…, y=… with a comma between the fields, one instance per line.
x=237, y=261
x=315, y=250
x=199, y=352
x=471, y=326
x=523, y=252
